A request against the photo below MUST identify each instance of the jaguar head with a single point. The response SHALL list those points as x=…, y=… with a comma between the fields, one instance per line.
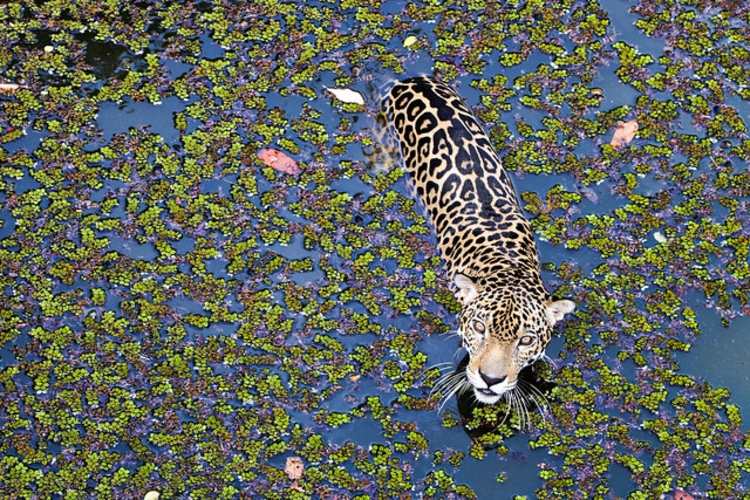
x=505, y=328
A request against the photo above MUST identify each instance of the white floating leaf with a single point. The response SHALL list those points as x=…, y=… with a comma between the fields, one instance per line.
x=658, y=236
x=152, y=495
x=347, y=95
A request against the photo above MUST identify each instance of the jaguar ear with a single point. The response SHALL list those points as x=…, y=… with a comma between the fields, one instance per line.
x=467, y=289
x=556, y=310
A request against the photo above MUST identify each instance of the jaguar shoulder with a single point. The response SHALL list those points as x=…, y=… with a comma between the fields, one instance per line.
x=507, y=316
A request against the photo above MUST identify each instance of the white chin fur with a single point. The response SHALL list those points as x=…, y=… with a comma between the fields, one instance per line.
x=485, y=398
x=488, y=396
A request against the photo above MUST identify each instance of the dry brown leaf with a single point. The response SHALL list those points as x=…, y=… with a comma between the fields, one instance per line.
x=294, y=469
x=278, y=160
x=624, y=133
x=9, y=87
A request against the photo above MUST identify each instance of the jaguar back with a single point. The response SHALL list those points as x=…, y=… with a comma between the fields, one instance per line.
x=488, y=246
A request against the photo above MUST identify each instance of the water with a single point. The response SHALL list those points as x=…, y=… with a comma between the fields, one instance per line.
x=305, y=342
x=728, y=343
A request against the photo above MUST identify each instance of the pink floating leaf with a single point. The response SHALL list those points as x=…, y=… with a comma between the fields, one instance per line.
x=624, y=133
x=279, y=161
x=682, y=495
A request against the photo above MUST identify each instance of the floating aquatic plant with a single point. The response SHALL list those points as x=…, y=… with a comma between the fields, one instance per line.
x=180, y=319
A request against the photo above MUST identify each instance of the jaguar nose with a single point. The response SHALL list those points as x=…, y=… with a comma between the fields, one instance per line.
x=490, y=380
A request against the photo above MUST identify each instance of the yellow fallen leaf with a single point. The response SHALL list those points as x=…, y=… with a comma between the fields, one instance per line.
x=347, y=95
x=624, y=133
x=152, y=495
x=410, y=40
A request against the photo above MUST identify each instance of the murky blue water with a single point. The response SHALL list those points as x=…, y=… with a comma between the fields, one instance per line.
x=729, y=343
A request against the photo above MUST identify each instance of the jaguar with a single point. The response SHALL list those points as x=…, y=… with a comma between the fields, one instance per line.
x=507, y=316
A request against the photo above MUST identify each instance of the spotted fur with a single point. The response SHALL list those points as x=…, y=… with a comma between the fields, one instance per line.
x=507, y=315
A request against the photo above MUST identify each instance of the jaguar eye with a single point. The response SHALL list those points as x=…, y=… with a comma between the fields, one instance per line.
x=526, y=340
x=478, y=326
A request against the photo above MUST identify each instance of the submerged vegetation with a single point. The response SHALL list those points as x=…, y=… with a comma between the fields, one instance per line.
x=180, y=318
